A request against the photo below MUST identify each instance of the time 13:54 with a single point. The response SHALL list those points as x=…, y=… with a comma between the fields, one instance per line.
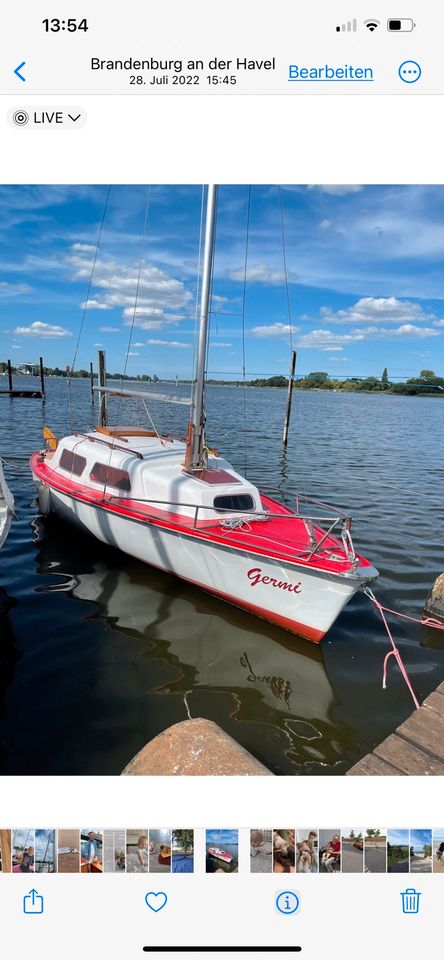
x=72, y=24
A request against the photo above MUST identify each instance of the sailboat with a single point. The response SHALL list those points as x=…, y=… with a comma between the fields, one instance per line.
x=6, y=507
x=179, y=506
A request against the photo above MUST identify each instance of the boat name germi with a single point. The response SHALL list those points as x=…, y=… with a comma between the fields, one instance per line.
x=256, y=576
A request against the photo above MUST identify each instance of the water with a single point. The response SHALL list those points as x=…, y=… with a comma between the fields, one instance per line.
x=99, y=653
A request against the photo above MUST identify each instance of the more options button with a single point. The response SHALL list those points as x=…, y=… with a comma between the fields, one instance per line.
x=409, y=71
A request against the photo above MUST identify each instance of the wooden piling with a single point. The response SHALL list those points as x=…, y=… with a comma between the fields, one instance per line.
x=9, y=376
x=42, y=378
x=102, y=383
x=91, y=377
x=289, y=398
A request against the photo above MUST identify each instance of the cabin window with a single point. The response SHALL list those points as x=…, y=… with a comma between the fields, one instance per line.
x=234, y=501
x=72, y=462
x=110, y=476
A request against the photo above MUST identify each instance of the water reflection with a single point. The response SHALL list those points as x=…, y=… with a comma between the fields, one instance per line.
x=8, y=651
x=268, y=688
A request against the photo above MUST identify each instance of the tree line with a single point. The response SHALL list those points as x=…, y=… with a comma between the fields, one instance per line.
x=426, y=383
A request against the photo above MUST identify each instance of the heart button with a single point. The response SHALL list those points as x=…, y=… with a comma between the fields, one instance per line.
x=156, y=901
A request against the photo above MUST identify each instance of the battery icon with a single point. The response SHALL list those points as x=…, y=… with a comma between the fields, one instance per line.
x=401, y=26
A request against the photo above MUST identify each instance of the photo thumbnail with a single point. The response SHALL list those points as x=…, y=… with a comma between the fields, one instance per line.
x=375, y=850
x=91, y=850
x=23, y=851
x=222, y=851
x=421, y=851
x=114, y=851
x=352, y=850
x=137, y=855
x=68, y=851
x=45, y=851
x=398, y=851
x=261, y=851
x=182, y=851
x=5, y=851
x=330, y=849
x=307, y=851
x=160, y=851
x=284, y=853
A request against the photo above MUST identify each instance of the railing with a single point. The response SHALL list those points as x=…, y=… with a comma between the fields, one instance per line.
x=340, y=522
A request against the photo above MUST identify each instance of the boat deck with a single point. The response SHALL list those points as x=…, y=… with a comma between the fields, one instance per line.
x=283, y=536
x=416, y=748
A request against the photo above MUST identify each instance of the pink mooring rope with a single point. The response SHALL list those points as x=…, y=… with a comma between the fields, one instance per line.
x=394, y=652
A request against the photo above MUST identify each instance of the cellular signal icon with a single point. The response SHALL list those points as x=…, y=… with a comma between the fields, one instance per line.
x=371, y=25
x=350, y=27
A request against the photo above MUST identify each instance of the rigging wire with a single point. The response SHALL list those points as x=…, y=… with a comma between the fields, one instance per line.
x=85, y=306
x=244, y=296
x=209, y=310
x=133, y=320
x=198, y=279
x=284, y=262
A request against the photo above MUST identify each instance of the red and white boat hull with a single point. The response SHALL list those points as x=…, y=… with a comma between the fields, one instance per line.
x=304, y=600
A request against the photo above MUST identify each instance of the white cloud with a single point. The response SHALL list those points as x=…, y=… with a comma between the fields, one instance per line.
x=331, y=340
x=274, y=330
x=15, y=346
x=45, y=330
x=260, y=273
x=220, y=345
x=150, y=318
x=138, y=344
x=13, y=289
x=84, y=247
x=326, y=224
x=169, y=343
x=109, y=329
x=132, y=354
x=98, y=344
x=94, y=305
x=117, y=285
x=379, y=310
x=336, y=189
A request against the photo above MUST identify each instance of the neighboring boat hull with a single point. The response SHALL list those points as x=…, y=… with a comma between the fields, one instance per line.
x=301, y=600
x=6, y=507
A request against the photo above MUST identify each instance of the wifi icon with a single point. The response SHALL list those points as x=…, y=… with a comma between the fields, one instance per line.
x=371, y=24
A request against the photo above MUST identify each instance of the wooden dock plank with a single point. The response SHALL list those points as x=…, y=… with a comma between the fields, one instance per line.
x=32, y=394
x=425, y=729
x=371, y=766
x=435, y=702
x=408, y=759
x=416, y=748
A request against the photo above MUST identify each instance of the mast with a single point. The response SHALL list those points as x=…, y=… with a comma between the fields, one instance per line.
x=195, y=456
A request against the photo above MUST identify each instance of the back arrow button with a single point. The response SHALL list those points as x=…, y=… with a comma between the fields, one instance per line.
x=17, y=71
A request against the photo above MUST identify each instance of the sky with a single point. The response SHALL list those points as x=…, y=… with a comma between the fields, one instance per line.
x=418, y=838
x=219, y=837
x=352, y=277
x=44, y=844
x=398, y=838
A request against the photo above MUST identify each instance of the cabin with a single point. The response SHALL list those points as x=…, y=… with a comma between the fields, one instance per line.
x=139, y=465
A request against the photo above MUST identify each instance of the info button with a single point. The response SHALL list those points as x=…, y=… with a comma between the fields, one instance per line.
x=47, y=117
